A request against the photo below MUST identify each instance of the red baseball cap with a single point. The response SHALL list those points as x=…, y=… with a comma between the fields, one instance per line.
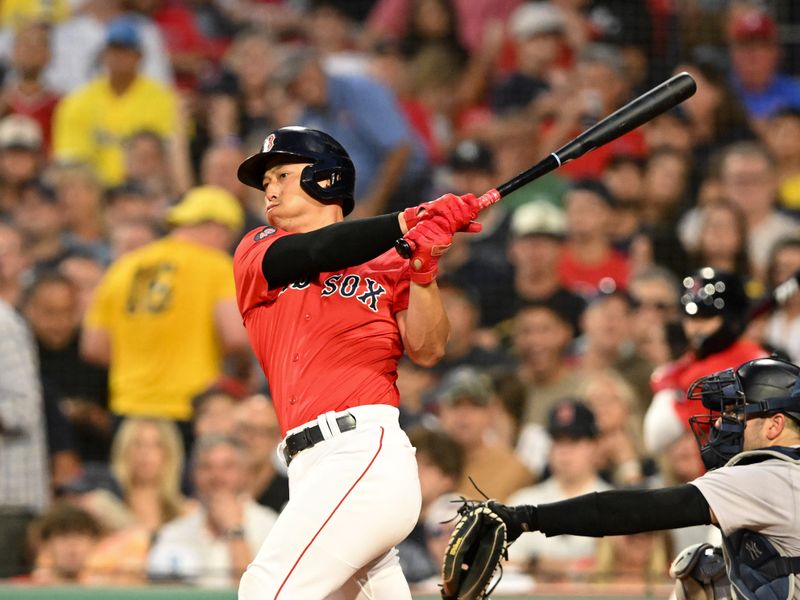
x=753, y=25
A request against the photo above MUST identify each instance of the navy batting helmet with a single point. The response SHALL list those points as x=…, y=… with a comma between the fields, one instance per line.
x=759, y=387
x=329, y=161
x=709, y=293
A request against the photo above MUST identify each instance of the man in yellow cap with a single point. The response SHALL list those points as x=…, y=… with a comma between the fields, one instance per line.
x=164, y=316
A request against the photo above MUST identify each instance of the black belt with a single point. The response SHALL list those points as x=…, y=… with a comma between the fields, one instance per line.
x=311, y=436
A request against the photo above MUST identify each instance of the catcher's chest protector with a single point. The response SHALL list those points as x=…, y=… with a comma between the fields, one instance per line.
x=755, y=567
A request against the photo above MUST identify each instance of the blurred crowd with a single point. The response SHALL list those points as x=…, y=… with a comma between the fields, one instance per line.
x=137, y=436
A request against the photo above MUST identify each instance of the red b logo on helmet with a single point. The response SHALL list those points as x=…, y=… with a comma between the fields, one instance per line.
x=269, y=142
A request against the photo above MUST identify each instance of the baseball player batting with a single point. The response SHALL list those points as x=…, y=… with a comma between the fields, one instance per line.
x=329, y=308
x=749, y=440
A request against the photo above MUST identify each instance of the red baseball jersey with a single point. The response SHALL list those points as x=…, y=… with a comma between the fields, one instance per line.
x=325, y=344
x=686, y=370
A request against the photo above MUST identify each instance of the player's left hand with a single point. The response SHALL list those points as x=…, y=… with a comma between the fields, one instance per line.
x=429, y=240
x=460, y=212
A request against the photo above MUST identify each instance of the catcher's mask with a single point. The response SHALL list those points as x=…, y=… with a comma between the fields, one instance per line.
x=329, y=162
x=757, y=388
x=708, y=293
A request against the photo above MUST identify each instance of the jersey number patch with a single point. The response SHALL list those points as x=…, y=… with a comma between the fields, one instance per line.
x=151, y=289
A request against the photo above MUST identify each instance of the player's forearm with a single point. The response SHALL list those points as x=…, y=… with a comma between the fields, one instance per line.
x=332, y=248
x=620, y=512
x=427, y=327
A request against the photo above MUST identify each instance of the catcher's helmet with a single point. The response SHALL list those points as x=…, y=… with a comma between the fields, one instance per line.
x=759, y=387
x=329, y=161
x=708, y=293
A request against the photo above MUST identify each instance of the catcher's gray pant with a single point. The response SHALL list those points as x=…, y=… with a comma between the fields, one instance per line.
x=352, y=498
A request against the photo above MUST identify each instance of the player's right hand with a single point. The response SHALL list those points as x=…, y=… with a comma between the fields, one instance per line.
x=460, y=212
x=429, y=239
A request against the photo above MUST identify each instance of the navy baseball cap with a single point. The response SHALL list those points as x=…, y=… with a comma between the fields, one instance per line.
x=571, y=418
x=471, y=155
x=122, y=32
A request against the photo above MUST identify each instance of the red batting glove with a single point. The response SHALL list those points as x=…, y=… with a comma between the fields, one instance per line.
x=459, y=211
x=429, y=239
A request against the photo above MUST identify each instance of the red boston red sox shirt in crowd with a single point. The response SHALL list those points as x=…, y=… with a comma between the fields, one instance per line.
x=342, y=340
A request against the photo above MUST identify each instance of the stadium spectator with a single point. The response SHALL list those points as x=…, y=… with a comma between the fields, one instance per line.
x=257, y=428
x=781, y=134
x=478, y=262
x=40, y=220
x=633, y=559
x=588, y=259
x=131, y=234
x=77, y=42
x=654, y=294
x=92, y=122
x=467, y=344
x=80, y=196
x=415, y=384
x=25, y=91
x=599, y=85
x=782, y=329
x=538, y=230
x=755, y=54
x=541, y=335
x=537, y=31
x=666, y=186
x=51, y=307
x=441, y=466
x=680, y=463
x=672, y=129
x=390, y=160
x=716, y=115
x=624, y=179
x=331, y=28
x=390, y=19
x=749, y=180
x=24, y=489
x=529, y=440
x=607, y=342
x=129, y=202
x=69, y=535
x=175, y=291
x=148, y=166
x=146, y=462
x=573, y=466
x=21, y=158
x=218, y=167
x=722, y=244
x=464, y=396
x=213, y=546
x=250, y=60
x=12, y=263
x=621, y=457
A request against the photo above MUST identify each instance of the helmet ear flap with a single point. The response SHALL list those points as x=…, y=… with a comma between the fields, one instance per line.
x=341, y=179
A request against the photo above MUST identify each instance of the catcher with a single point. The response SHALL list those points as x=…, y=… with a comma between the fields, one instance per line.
x=749, y=441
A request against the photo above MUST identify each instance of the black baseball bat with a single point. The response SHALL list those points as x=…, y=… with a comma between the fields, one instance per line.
x=779, y=296
x=652, y=103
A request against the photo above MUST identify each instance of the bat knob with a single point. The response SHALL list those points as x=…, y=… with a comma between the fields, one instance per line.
x=403, y=248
